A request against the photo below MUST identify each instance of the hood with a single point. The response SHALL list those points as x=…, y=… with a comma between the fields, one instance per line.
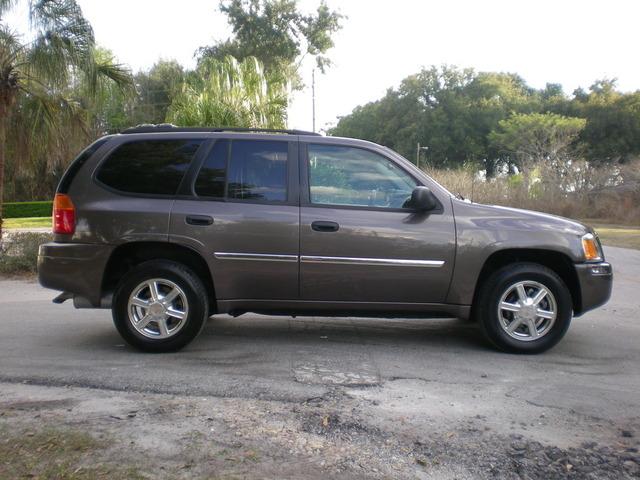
x=517, y=219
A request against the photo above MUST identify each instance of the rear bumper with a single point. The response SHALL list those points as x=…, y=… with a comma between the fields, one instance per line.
x=75, y=268
x=596, y=283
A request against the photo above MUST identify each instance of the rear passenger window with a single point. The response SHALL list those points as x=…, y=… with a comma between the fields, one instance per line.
x=211, y=179
x=149, y=166
x=250, y=170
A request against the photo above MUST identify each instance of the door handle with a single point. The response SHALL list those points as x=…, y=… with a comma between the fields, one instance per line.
x=200, y=220
x=322, y=226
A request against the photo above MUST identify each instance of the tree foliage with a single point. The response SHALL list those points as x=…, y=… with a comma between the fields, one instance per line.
x=454, y=111
x=277, y=33
x=36, y=75
x=231, y=93
x=155, y=91
x=612, y=133
x=535, y=139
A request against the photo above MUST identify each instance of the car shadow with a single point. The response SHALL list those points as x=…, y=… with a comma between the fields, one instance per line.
x=226, y=333
x=418, y=332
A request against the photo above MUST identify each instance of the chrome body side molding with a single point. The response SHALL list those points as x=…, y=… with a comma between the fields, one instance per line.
x=256, y=257
x=384, y=262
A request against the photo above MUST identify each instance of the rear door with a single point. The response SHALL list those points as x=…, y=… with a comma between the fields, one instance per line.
x=241, y=211
x=358, y=242
x=129, y=195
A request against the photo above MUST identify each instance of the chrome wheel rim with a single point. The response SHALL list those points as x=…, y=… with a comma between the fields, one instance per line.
x=158, y=308
x=527, y=311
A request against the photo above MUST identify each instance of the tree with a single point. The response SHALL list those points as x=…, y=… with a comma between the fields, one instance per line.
x=612, y=133
x=231, y=94
x=537, y=138
x=61, y=49
x=277, y=34
x=155, y=90
x=447, y=109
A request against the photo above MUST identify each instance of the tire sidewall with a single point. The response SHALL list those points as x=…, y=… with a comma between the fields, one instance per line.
x=180, y=275
x=498, y=284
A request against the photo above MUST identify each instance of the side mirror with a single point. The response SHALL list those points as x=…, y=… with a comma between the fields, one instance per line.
x=423, y=199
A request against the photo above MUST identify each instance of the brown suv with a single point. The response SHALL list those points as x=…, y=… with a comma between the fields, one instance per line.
x=167, y=226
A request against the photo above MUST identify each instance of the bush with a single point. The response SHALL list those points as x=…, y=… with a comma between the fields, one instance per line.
x=19, y=252
x=610, y=194
x=27, y=209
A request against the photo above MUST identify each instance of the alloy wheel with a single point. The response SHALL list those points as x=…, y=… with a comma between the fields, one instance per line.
x=158, y=308
x=527, y=311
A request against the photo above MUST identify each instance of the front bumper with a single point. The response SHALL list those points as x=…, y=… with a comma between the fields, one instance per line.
x=596, y=283
x=74, y=268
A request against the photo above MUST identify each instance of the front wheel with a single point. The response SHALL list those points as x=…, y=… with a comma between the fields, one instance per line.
x=524, y=308
x=160, y=306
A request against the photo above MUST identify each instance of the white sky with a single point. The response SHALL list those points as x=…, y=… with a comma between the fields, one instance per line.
x=572, y=42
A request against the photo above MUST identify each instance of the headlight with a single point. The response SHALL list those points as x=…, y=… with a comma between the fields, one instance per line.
x=591, y=248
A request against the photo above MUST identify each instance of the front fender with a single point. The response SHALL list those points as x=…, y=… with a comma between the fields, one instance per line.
x=483, y=230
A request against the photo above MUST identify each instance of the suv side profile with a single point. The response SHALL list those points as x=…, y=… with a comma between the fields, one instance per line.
x=167, y=226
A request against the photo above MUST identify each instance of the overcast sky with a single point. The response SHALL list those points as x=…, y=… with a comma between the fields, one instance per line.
x=560, y=41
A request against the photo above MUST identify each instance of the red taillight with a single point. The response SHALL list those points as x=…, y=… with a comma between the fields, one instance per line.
x=64, y=214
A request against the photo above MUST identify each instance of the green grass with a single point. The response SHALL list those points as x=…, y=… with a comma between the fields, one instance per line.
x=618, y=235
x=27, y=209
x=56, y=453
x=29, y=222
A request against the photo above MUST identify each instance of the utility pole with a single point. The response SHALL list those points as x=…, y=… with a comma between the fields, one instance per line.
x=418, y=154
x=313, y=98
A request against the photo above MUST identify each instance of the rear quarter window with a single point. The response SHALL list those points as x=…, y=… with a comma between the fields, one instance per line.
x=154, y=167
x=76, y=165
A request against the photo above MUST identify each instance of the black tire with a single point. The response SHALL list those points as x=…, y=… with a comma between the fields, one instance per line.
x=491, y=291
x=193, y=289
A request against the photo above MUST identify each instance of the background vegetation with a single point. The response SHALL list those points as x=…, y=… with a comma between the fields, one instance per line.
x=20, y=255
x=495, y=139
x=28, y=209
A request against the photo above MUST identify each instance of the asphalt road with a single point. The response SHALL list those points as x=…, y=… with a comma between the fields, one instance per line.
x=433, y=372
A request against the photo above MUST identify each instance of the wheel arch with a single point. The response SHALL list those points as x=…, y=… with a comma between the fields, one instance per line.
x=128, y=255
x=556, y=261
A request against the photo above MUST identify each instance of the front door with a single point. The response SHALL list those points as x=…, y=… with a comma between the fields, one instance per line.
x=243, y=216
x=358, y=242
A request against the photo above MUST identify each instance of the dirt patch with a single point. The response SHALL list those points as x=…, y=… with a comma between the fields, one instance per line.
x=488, y=456
x=87, y=433
x=37, y=405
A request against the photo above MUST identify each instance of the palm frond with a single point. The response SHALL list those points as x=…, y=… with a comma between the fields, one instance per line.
x=10, y=48
x=6, y=5
x=105, y=69
x=64, y=40
x=231, y=93
x=54, y=111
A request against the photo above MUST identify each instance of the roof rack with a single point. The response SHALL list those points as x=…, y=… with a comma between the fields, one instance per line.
x=168, y=127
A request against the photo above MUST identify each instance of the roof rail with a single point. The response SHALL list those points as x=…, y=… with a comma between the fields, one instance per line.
x=168, y=127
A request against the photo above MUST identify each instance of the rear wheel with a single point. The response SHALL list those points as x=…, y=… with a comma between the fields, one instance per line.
x=160, y=306
x=524, y=308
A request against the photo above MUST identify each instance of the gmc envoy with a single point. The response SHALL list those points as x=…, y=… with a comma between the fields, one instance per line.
x=167, y=226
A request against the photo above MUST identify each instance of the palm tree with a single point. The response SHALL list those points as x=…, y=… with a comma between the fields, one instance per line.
x=60, y=50
x=231, y=94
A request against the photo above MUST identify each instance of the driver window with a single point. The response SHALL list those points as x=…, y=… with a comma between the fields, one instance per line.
x=356, y=177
